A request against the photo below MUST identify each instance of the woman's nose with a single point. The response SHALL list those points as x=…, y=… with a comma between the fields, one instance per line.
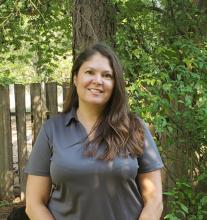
x=98, y=79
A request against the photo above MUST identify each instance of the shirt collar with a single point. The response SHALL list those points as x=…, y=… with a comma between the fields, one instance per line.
x=70, y=116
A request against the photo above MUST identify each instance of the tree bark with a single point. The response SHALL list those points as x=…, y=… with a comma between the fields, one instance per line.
x=93, y=21
x=202, y=4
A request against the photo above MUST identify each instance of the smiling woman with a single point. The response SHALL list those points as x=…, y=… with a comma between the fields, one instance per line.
x=94, y=82
x=96, y=160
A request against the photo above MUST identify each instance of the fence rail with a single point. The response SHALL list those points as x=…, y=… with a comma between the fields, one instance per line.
x=46, y=100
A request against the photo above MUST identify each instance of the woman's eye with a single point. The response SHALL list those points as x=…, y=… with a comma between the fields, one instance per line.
x=89, y=72
x=108, y=76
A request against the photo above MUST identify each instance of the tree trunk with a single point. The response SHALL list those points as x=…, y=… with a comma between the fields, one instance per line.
x=202, y=4
x=93, y=21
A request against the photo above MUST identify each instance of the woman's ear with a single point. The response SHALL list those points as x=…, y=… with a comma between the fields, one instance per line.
x=75, y=80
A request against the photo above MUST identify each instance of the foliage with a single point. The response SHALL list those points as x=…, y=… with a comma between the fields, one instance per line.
x=34, y=40
x=164, y=52
x=186, y=203
x=4, y=203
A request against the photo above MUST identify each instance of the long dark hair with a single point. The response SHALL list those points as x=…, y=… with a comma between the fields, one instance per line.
x=118, y=128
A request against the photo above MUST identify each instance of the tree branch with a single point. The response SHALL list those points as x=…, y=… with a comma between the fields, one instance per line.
x=7, y=18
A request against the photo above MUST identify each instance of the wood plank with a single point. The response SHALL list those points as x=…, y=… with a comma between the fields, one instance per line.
x=21, y=134
x=36, y=109
x=65, y=86
x=6, y=159
x=51, y=98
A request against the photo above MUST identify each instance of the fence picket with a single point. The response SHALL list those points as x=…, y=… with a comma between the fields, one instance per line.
x=6, y=167
x=36, y=109
x=51, y=98
x=65, y=91
x=21, y=133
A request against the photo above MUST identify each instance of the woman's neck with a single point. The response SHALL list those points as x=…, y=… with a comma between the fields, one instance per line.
x=88, y=115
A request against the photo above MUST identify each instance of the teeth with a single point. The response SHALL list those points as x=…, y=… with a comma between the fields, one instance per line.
x=95, y=90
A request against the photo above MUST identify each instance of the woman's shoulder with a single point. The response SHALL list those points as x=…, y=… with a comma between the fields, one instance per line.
x=56, y=119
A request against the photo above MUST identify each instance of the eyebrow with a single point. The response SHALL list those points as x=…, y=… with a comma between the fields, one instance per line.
x=105, y=71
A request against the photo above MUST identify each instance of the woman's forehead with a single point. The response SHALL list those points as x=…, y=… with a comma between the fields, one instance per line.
x=97, y=61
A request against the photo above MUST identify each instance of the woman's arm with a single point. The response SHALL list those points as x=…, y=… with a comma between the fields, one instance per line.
x=151, y=191
x=37, y=195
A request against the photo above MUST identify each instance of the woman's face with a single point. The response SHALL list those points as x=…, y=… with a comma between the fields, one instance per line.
x=95, y=81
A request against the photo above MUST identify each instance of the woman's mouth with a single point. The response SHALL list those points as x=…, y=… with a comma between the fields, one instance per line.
x=97, y=91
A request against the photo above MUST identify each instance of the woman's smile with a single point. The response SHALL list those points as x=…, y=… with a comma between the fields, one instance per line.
x=96, y=91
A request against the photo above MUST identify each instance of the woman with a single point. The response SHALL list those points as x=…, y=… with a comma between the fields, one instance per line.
x=96, y=161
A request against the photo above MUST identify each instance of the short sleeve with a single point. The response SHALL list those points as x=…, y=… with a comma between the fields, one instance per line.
x=40, y=157
x=150, y=160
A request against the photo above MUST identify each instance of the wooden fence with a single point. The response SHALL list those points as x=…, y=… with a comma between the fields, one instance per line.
x=43, y=104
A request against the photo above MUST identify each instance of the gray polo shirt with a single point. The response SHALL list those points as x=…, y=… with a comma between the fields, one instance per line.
x=87, y=188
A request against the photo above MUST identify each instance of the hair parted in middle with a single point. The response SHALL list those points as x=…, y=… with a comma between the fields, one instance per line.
x=118, y=128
